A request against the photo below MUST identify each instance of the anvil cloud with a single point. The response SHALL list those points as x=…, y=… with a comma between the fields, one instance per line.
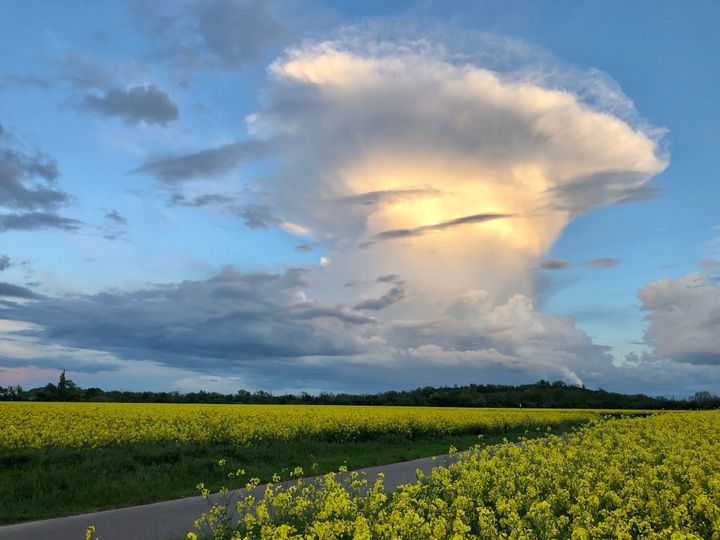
x=451, y=174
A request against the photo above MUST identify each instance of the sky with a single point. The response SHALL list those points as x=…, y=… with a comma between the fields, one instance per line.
x=360, y=196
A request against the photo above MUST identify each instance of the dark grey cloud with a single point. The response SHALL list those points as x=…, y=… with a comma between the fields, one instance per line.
x=554, y=264
x=304, y=248
x=32, y=221
x=264, y=323
x=395, y=294
x=15, y=291
x=259, y=324
x=20, y=174
x=137, y=104
x=204, y=163
x=218, y=34
x=418, y=231
x=602, y=262
x=29, y=188
x=231, y=316
x=4, y=262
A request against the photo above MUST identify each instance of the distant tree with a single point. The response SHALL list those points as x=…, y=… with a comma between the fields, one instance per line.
x=704, y=395
x=11, y=393
x=67, y=390
x=62, y=385
x=540, y=394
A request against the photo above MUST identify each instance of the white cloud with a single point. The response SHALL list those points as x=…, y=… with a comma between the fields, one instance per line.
x=294, y=228
x=400, y=146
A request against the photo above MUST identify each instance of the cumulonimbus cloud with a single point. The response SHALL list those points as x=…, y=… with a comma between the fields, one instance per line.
x=387, y=138
x=379, y=138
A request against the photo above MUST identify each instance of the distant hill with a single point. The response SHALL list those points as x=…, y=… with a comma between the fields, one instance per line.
x=542, y=394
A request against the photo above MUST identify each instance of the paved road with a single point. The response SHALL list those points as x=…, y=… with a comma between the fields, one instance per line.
x=171, y=520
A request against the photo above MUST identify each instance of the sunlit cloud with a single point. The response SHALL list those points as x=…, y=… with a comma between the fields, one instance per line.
x=403, y=157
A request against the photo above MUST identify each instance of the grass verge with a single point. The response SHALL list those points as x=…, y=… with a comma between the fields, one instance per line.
x=51, y=482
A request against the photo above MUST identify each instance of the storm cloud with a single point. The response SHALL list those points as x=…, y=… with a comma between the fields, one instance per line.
x=231, y=315
x=263, y=322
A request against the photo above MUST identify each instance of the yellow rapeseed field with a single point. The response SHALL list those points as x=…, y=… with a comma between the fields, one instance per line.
x=38, y=425
x=656, y=477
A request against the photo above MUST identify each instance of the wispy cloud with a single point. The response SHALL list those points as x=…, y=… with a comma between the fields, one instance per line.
x=597, y=264
x=33, y=221
x=554, y=264
x=603, y=262
x=394, y=234
x=203, y=163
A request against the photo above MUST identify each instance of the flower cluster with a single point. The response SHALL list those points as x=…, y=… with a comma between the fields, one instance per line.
x=38, y=425
x=656, y=477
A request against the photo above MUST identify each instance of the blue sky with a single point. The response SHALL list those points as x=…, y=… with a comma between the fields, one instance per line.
x=359, y=196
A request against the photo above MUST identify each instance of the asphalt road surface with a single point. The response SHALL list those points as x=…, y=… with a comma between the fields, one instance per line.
x=171, y=520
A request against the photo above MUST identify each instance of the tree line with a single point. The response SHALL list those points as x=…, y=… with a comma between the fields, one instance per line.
x=542, y=394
